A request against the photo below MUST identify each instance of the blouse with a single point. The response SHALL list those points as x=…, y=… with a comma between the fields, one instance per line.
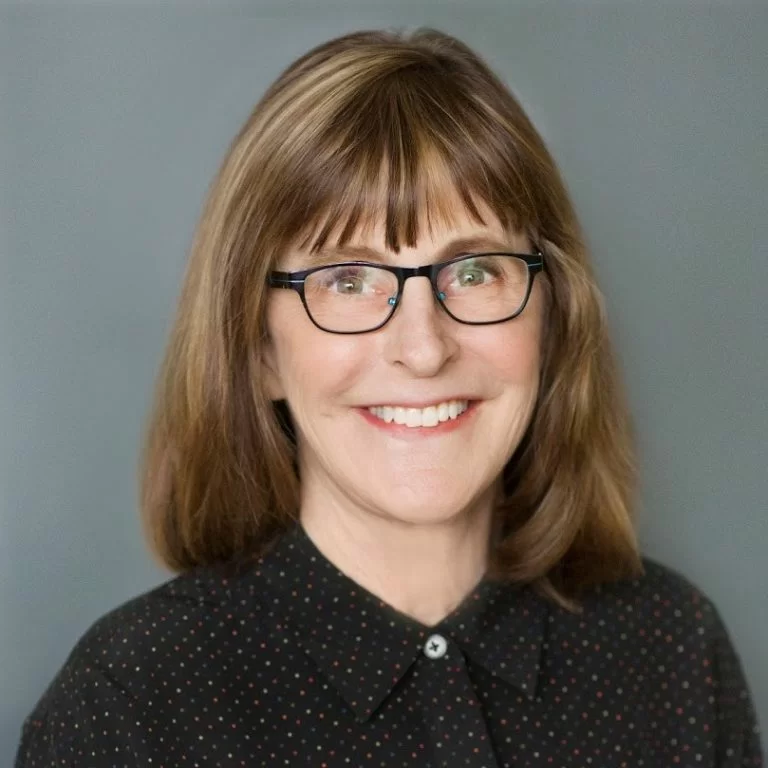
x=290, y=662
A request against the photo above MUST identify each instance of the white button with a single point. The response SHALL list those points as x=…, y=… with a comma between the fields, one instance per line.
x=436, y=646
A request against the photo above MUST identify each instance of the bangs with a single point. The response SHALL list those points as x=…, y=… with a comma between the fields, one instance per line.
x=403, y=152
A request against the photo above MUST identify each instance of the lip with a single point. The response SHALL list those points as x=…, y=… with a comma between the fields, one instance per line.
x=404, y=432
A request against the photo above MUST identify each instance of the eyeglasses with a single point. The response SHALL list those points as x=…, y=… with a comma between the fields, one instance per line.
x=359, y=297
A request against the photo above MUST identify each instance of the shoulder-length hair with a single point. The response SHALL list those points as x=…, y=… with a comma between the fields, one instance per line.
x=377, y=126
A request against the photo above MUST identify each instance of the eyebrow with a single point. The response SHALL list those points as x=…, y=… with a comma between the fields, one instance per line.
x=460, y=246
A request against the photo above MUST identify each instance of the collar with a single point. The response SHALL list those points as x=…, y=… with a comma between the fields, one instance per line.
x=364, y=646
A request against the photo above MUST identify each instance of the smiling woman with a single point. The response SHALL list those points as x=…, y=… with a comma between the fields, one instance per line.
x=390, y=459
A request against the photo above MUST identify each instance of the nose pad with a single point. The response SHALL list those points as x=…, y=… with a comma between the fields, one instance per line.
x=393, y=301
x=415, y=316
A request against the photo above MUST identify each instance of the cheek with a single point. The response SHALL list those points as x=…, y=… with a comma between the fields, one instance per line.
x=512, y=352
x=520, y=360
x=520, y=343
x=313, y=365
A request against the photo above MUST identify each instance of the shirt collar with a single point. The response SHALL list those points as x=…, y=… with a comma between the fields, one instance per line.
x=364, y=646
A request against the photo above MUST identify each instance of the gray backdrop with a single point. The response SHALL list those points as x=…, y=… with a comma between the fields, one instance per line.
x=114, y=117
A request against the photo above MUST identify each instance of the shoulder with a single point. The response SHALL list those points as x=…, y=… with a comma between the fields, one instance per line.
x=100, y=698
x=150, y=618
x=183, y=617
x=660, y=596
x=664, y=639
x=664, y=619
x=660, y=614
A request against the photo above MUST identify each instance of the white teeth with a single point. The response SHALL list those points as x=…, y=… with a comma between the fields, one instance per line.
x=388, y=414
x=421, y=417
x=429, y=417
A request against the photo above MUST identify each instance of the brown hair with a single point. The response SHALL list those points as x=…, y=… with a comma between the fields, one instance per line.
x=372, y=126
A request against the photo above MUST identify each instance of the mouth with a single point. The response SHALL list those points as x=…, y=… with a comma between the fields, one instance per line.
x=430, y=417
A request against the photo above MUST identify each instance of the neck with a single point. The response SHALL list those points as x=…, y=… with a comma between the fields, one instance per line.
x=423, y=571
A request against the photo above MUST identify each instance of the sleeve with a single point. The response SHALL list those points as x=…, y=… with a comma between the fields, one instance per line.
x=738, y=737
x=85, y=720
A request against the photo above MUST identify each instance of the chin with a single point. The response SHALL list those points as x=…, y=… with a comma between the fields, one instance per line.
x=426, y=511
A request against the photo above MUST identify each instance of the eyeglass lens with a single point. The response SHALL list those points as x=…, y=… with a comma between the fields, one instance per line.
x=355, y=298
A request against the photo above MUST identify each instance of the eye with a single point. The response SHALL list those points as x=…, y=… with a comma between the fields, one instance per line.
x=349, y=283
x=343, y=280
x=352, y=280
x=471, y=273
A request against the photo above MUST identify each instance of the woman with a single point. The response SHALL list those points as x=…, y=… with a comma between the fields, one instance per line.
x=400, y=509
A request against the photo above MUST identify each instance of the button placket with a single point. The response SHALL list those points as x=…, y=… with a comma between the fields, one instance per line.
x=458, y=733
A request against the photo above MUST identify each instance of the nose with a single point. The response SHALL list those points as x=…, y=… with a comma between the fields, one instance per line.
x=419, y=335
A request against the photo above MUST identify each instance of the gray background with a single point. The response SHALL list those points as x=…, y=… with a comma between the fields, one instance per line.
x=113, y=119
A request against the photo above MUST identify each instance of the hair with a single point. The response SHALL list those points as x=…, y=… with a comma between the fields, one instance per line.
x=377, y=126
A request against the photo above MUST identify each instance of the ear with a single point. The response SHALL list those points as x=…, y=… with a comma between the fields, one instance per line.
x=273, y=384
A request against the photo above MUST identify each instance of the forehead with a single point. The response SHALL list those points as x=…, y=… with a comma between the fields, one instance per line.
x=453, y=233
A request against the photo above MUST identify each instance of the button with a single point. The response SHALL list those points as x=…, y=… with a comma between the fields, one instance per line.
x=436, y=646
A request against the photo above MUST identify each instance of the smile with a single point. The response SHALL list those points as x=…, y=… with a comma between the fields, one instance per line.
x=421, y=417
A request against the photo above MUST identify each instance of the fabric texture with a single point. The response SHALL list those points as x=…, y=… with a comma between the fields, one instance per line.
x=289, y=662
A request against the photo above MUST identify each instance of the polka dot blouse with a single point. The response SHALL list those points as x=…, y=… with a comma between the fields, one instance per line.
x=291, y=663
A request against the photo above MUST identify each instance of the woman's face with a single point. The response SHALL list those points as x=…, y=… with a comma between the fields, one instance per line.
x=352, y=458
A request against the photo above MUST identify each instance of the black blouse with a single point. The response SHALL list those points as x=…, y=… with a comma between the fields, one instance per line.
x=291, y=663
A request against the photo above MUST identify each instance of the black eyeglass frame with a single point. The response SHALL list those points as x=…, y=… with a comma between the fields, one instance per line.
x=295, y=281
